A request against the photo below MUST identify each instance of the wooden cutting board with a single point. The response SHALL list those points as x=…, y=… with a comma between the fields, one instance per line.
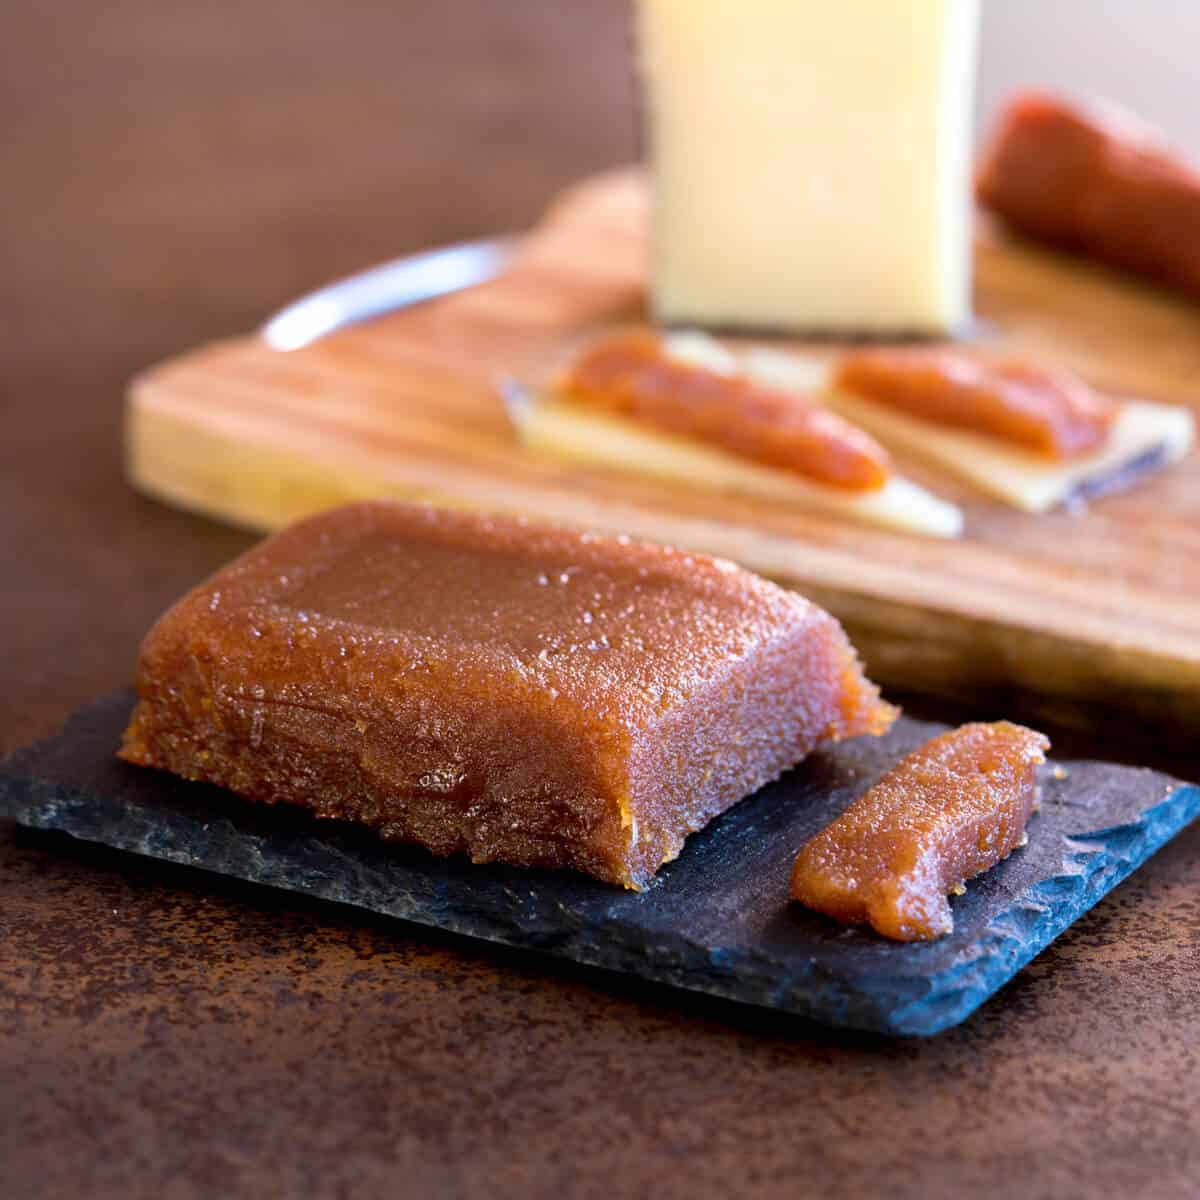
x=1100, y=608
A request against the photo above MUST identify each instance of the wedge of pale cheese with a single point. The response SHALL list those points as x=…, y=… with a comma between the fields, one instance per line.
x=575, y=433
x=811, y=161
x=1145, y=437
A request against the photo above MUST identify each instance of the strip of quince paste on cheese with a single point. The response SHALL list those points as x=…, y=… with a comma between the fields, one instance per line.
x=635, y=377
x=629, y=402
x=1050, y=441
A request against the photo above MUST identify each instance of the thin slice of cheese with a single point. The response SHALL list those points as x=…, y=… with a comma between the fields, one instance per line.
x=1145, y=436
x=811, y=161
x=572, y=432
x=698, y=349
x=795, y=372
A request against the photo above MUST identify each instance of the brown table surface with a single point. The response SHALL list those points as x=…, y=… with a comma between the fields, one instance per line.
x=170, y=173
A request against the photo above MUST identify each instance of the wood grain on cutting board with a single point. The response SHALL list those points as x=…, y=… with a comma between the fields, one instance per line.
x=1099, y=607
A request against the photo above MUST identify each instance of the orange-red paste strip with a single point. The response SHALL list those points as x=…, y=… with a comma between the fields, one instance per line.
x=950, y=810
x=1052, y=413
x=632, y=376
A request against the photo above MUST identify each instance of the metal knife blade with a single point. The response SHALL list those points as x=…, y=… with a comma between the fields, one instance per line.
x=397, y=284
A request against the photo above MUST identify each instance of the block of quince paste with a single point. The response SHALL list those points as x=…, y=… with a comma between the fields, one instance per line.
x=521, y=693
x=945, y=813
x=1096, y=180
x=811, y=162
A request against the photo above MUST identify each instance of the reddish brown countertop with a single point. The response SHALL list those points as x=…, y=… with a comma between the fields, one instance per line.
x=170, y=175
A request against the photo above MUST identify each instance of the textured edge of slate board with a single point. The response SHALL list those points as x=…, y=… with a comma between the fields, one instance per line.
x=787, y=959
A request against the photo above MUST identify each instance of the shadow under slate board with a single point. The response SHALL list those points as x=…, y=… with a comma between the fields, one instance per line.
x=717, y=920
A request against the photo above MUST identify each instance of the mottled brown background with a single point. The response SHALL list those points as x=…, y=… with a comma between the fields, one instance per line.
x=169, y=172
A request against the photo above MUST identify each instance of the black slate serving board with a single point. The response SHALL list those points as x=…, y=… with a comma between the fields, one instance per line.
x=717, y=920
